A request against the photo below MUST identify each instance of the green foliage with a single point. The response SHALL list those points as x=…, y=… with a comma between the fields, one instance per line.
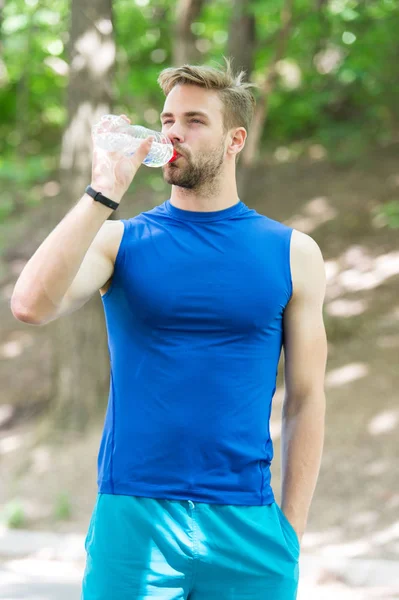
x=24, y=173
x=389, y=214
x=32, y=91
x=62, y=508
x=338, y=70
x=142, y=52
x=14, y=515
x=335, y=86
x=20, y=181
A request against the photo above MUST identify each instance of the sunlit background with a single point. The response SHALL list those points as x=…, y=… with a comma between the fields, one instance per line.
x=323, y=157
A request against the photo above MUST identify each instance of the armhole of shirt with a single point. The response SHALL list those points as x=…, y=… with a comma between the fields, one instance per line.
x=118, y=259
x=288, y=264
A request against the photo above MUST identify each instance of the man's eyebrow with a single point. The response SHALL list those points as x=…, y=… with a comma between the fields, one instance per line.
x=191, y=113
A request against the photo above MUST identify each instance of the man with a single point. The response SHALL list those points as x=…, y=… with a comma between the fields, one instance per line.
x=199, y=295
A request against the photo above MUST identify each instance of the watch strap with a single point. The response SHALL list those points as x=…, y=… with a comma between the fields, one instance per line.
x=98, y=197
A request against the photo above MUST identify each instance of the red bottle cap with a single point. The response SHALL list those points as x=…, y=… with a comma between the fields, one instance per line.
x=174, y=155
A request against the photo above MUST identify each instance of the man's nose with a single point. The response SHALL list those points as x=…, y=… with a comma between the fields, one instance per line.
x=175, y=134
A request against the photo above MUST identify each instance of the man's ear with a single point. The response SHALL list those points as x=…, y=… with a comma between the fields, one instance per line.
x=237, y=140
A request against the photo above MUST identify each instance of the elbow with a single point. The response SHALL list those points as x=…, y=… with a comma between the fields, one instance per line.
x=23, y=314
x=313, y=400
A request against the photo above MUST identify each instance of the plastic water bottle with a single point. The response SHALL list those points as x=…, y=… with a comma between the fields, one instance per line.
x=113, y=133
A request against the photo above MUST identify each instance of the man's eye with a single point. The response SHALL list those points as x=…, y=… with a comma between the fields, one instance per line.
x=191, y=121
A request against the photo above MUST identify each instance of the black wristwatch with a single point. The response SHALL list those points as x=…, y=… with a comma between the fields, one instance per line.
x=100, y=198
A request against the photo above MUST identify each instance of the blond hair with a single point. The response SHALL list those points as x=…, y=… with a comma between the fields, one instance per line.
x=236, y=96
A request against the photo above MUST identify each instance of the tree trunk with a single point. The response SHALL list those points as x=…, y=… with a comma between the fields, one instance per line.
x=81, y=363
x=92, y=62
x=241, y=48
x=242, y=37
x=184, y=48
x=251, y=148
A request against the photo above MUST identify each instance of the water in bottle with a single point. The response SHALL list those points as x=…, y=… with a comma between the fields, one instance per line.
x=113, y=133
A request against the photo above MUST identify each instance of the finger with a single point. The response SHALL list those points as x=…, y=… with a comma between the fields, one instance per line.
x=143, y=150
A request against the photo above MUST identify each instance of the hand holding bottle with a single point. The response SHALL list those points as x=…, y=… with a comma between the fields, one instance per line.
x=113, y=171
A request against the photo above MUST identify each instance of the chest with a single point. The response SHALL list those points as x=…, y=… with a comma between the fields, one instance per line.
x=196, y=280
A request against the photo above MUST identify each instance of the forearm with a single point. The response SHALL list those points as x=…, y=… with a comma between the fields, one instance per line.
x=48, y=275
x=301, y=451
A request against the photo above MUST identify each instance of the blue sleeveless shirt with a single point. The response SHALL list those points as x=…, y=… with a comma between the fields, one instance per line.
x=194, y=317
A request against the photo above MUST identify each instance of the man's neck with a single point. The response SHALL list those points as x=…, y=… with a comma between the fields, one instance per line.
x=204, y=201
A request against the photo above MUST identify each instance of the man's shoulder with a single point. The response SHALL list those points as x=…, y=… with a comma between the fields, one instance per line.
x=304, y=246
x=307, y=264
x=136, y=224
x=269, y=224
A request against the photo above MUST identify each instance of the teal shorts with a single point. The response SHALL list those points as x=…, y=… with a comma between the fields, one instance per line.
x=143, y=548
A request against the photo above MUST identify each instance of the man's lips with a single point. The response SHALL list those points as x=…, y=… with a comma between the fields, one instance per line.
x=175, y=155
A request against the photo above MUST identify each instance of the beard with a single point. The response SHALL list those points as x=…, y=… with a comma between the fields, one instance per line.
x=198, y=174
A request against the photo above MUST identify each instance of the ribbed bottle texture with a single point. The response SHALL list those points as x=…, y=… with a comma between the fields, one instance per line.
x=113, y=133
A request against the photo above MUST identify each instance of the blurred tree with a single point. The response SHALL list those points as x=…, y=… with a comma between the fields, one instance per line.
x=251, y=149
x=1, y=21
x=184, y=47
x=23, y=91
x=91, y=69
x=242, y=36
x=332, y=86
x=80, y=350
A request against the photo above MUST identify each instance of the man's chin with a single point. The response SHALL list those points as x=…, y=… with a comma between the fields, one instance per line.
x=172, y=174
x=174, y=179
x=171, y=178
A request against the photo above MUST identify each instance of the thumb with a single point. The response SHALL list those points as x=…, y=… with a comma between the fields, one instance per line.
x=142, y=151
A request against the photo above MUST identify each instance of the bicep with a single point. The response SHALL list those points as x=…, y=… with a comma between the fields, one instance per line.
x=305, y=343
x=96, y=269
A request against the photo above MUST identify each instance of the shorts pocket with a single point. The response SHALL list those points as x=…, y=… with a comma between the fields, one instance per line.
x=289, y=532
